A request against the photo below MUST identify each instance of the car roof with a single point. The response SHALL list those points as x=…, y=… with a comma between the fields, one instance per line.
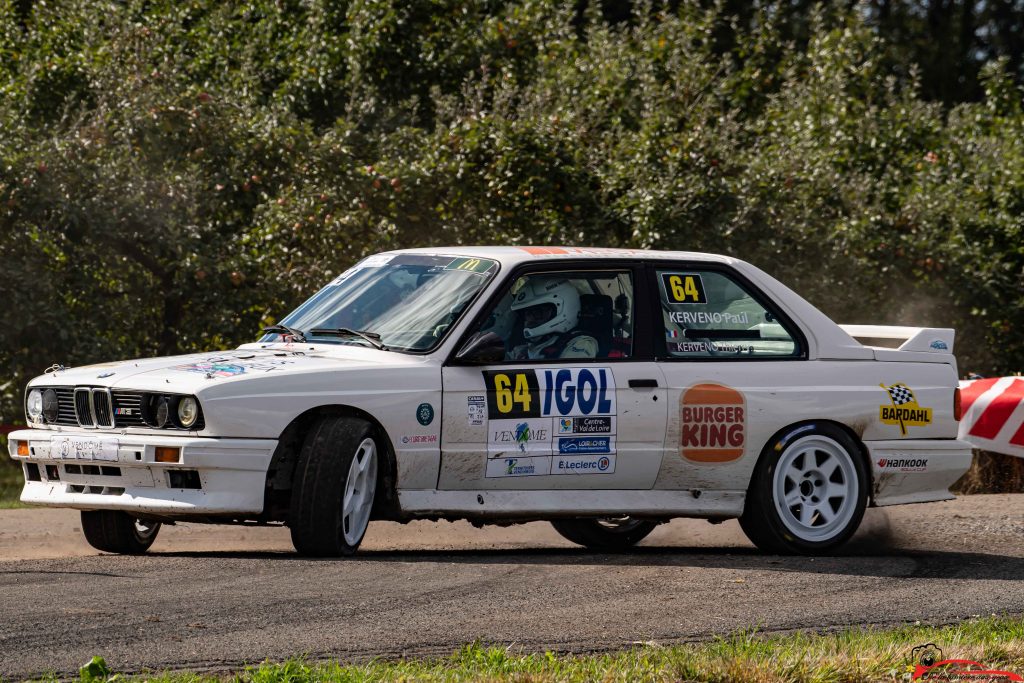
x=509, y=256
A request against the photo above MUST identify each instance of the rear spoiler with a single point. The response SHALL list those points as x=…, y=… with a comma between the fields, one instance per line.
x=926, y=339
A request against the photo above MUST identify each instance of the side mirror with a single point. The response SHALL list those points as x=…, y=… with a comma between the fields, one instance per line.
x=482, y=348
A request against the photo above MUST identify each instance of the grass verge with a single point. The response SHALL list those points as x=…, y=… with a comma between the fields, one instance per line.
x=848, y=656
x=11, y=479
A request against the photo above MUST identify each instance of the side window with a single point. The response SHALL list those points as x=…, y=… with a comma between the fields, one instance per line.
x=708, y=315
x=571, y=314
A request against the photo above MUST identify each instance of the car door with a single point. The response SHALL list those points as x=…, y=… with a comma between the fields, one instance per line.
x=735, y=369
x=559, y=422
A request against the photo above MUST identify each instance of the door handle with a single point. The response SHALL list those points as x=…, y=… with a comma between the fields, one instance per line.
x=643, y=383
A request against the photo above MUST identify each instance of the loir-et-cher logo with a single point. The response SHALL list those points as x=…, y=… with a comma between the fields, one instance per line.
x=713, y=423
x=927, y=664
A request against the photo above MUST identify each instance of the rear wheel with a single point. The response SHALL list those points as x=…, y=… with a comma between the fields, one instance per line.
x=335, y=482
x=605, y=533
x=809, y=497
x=113, y=531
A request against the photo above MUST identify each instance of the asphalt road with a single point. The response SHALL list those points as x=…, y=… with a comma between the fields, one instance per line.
x=219, y=597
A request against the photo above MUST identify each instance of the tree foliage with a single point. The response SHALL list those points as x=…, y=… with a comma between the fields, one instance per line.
x=173, y=174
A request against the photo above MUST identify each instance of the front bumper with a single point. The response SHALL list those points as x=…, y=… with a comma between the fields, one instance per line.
x=916, y=470
x=212, y=476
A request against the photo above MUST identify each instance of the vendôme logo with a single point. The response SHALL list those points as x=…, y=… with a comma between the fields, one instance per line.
x=713, y=423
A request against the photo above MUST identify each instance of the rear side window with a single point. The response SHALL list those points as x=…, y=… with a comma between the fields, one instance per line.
x=707, y=314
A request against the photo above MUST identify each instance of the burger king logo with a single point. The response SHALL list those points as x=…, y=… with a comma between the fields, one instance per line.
x=713, y=423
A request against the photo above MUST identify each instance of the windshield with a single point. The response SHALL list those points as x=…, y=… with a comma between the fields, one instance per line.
x=406, y=301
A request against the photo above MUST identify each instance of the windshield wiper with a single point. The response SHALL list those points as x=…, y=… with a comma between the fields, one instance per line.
x=297, y=335
x=371, y=338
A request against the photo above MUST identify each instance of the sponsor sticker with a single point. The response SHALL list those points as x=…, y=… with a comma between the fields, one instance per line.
x=476, y=410
x=583, y=464
x=375, y=261
x=83, y=448
x=425, y=414
x=518, y=467
x=341, y=278
x=939, y=345
x=712, y=424
x=526, y=437
x=903, y=409
x=684, y=288
x=471, y=265
x=903, y=464
x=585, y=444
x=229, y=367
x=708, y=318
x=556, y=392
x=419, y=438
x=603, y=424
x=711, y=347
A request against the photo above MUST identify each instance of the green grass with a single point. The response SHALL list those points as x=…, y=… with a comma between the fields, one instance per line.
x=849, y=656
x=11, y=479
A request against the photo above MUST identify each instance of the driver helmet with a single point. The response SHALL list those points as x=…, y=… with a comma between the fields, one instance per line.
x=550, y=306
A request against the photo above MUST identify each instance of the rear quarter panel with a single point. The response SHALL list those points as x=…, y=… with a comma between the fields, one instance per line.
x=780, y=394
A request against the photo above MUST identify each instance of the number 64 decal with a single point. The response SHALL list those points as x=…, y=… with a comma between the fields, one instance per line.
x=512, y=393
x=684, y=288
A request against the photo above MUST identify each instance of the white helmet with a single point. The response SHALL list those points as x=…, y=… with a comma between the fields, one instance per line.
x=558, y=293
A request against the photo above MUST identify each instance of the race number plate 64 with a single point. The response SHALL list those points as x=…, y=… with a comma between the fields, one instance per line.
x=554, y=392
x=684, y=288
x=83, y=448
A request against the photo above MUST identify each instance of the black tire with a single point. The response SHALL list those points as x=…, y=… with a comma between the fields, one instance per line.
x=608, y=534
x=779, y=529
x=113, y=531
x=318, y=525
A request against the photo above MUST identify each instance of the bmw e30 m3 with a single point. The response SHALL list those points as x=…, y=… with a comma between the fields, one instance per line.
x=604, y=390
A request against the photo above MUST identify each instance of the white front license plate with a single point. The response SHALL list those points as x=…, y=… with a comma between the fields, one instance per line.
x=83, y=448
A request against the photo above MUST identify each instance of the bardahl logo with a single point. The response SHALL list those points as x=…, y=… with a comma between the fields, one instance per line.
x=713, y=423
x=903, y=409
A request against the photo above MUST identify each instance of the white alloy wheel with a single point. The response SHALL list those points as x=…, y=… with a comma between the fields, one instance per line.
x=145, y=530
x=620, y=525
x=359, y=489
x=815, y=488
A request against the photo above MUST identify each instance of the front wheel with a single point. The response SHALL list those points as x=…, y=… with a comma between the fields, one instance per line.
x=113, y=531
x=808, y=493
x=605, y=533
x=335, y=482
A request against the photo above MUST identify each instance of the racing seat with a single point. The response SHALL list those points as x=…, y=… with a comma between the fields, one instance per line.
x=596, y=320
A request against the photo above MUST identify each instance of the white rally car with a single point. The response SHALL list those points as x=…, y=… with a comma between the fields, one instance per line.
x=604, y=390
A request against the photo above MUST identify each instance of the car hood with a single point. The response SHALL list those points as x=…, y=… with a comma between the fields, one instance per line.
x=192, y=373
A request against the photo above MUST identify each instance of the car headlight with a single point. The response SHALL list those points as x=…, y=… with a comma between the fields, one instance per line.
x=35, y=405
x=50, y=405
x=163, y=411
x=188, y=411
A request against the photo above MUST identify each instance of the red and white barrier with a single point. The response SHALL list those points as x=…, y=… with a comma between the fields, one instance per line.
x=993, y=414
